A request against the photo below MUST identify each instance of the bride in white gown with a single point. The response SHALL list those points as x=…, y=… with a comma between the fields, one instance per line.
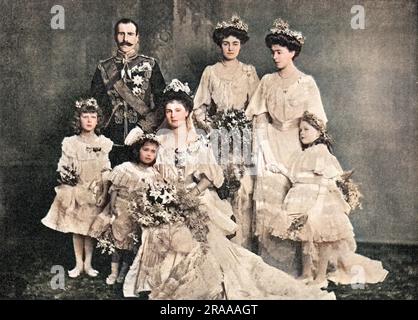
x=171, y=263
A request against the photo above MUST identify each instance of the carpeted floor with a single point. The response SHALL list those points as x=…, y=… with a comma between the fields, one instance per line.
x=25, y=273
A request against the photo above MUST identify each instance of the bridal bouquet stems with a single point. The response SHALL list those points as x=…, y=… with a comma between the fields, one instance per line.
x=238, y=132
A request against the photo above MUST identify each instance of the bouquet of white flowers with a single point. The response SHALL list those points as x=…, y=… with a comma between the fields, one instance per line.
x=159, y=203
x=231, y=119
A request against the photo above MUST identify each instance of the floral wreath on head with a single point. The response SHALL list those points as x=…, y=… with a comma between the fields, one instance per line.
x=282, y=27
x=313, y=119
x=90, y=102
x=235, y=22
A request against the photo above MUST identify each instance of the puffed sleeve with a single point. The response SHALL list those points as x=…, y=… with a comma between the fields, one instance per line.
x=314, y=104
x=326, y=164
x=118, y=177
x=258, y=104
x=68, y=153
x=202, y=98
x=207, y=165
x=107, y=145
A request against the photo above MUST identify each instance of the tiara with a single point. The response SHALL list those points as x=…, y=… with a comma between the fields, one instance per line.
x=91, y=102
x=311, y=118
x=137, y=134
x=282, y=27
x=176, y=86
x=235, y=22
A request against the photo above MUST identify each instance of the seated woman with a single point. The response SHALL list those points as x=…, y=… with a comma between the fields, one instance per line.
x=185, y=268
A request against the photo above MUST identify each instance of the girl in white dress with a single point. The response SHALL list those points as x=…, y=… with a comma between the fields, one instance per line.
x=315, y=212
x=125, y=179
x=83, y=167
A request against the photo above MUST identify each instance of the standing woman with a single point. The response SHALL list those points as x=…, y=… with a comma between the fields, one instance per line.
x=276, y=109
x=229, y=85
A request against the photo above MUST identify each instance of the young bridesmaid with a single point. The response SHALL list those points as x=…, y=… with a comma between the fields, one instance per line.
x=315, y=212
x=125, y=179
x=83, y=167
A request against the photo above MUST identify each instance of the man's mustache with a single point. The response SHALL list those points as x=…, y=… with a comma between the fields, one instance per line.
x=125, y=43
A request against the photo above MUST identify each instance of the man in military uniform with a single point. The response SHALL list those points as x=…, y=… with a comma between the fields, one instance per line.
x=128, y=87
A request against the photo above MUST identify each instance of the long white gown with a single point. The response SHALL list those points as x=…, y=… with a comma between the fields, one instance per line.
x=284, y=100
x=230, y=90
x=173, y=265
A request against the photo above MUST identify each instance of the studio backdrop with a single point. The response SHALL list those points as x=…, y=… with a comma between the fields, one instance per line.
x=362, y=54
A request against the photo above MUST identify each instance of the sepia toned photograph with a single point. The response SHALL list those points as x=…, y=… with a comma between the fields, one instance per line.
x=208, y=150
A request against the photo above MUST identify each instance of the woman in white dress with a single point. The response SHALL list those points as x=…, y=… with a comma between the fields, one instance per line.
x=229, y=85
x=276, y=109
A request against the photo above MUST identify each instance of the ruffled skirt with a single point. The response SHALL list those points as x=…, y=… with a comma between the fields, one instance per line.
x=73, y=210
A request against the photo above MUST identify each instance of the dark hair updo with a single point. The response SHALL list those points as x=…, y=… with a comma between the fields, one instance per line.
x=179, y=96
x=291, y=43
x=221, y=33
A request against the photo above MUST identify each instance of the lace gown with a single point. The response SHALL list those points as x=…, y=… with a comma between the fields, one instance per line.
x=284, y=101
x=74, y=208
x=219, y=93
x=183, y=268
x=312, y=169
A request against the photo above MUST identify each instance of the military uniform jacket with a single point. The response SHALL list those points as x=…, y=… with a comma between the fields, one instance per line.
x=128, y=92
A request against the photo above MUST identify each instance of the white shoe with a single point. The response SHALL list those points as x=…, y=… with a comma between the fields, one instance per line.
x=74, y=273
x=111, y=279
x=91, y=272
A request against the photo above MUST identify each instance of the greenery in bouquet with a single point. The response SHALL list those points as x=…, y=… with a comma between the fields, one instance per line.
x=106, y=242
x=231, y=119
x=68, y=175
x=159, y=203
x=350, y=190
